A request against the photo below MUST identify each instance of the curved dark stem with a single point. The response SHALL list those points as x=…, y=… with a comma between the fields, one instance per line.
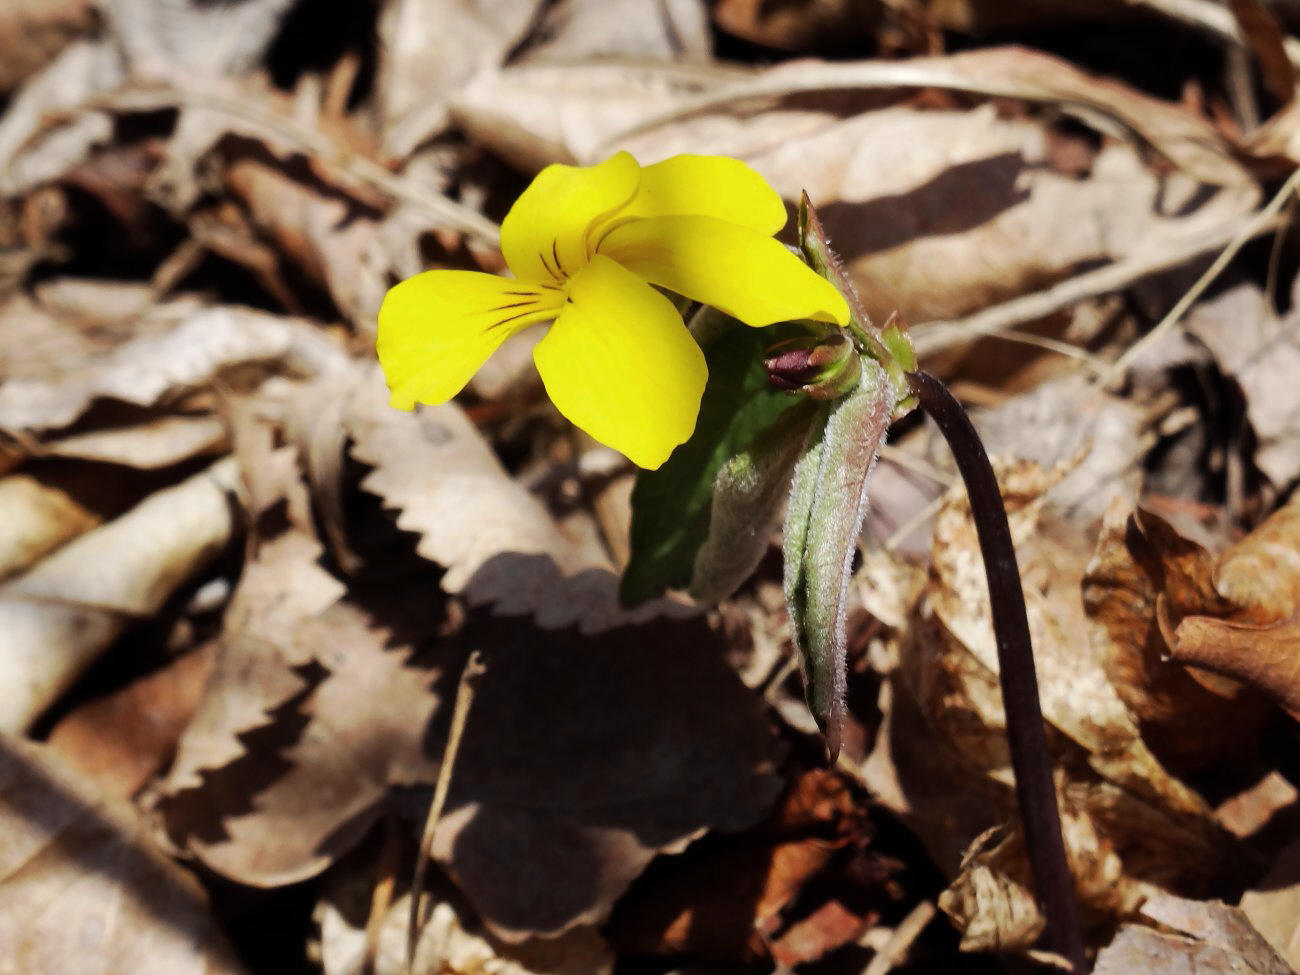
x=1029, y=758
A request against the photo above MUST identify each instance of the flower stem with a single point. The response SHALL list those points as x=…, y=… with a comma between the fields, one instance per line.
x=1029, y=757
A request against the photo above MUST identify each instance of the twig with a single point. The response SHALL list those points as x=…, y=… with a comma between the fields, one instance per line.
x=1030, y=760
x=894, y=950
x=931, y=337
x=474, y=668
x=1259, y=223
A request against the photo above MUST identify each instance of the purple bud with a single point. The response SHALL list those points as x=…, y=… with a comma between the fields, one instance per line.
x=822, y=367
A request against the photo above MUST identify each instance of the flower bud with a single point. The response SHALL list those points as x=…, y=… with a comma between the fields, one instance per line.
x=820, y=366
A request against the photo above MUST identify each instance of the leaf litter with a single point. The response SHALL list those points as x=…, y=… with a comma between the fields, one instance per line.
x=237, y=590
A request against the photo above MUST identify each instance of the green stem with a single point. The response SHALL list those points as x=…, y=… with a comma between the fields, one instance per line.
x=1030, y=760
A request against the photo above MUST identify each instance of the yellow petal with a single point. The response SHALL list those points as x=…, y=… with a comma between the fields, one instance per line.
x=735, y=269
x=544, y=236
x=707, y=186
x=437, y=328
x=620, y=364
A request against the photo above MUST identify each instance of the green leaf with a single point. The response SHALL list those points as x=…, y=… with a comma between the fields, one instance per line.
x=828, y=502
x=748, y=495
x=671, y=506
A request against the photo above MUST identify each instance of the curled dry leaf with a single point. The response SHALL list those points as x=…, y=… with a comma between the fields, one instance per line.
x=158, y=443
x=585, y=756
x=81, y=888
x=1128, y=823
x=61, y=614
x=579, y=30
x=1254, y=630
x=1210, y=937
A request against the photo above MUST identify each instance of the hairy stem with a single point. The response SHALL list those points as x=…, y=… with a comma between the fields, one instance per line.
x=1029, y=757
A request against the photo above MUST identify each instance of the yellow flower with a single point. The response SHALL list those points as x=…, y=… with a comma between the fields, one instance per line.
x=582, y=243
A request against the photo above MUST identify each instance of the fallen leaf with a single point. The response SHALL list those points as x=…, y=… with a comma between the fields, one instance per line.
x=792, y=25
x=585, y=757
x=185, y=39
x=1141, y=563
x=448, y=943
x=40, y=516
x=1273, y=905
x=81, y=889
x=1212, y=938
x=578, y=30
x=1261, y=353
x=158, y=443
x=33, y=32
x=498, y=544
x=119, y=741
x=429, y=53
x=62, y=613
x=688, y=906
x=153, y=367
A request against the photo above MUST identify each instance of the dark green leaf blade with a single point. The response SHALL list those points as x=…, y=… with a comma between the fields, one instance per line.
x=670, y=506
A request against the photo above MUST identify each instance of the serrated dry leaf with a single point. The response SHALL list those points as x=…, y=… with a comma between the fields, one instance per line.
x=82, y=890
x=498, y=544
x=586, y=756
x=1213, y=939
x=309, y=781
x=60, y=615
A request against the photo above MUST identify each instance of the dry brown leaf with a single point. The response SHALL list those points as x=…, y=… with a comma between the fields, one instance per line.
x=119, y=741
x=185, y=39
x=150, y=369
x=499, y=545
x=60, y=615
x=39, y=518
x=1141, y=563
x=33, y=32
x=431, y=51
x=29, y=153
x=308, y=783
x=81, y=888
x=447, y=945
x=584, y=757
x=324, y=231
x=577, y=30
x=993, y=911
x=1262, y=354
x=689, y=906
x=1274, y=905
x=1212, y=938
x=794, y=25
x=1068, y=421
x=158, y=443
x=1128, y=823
